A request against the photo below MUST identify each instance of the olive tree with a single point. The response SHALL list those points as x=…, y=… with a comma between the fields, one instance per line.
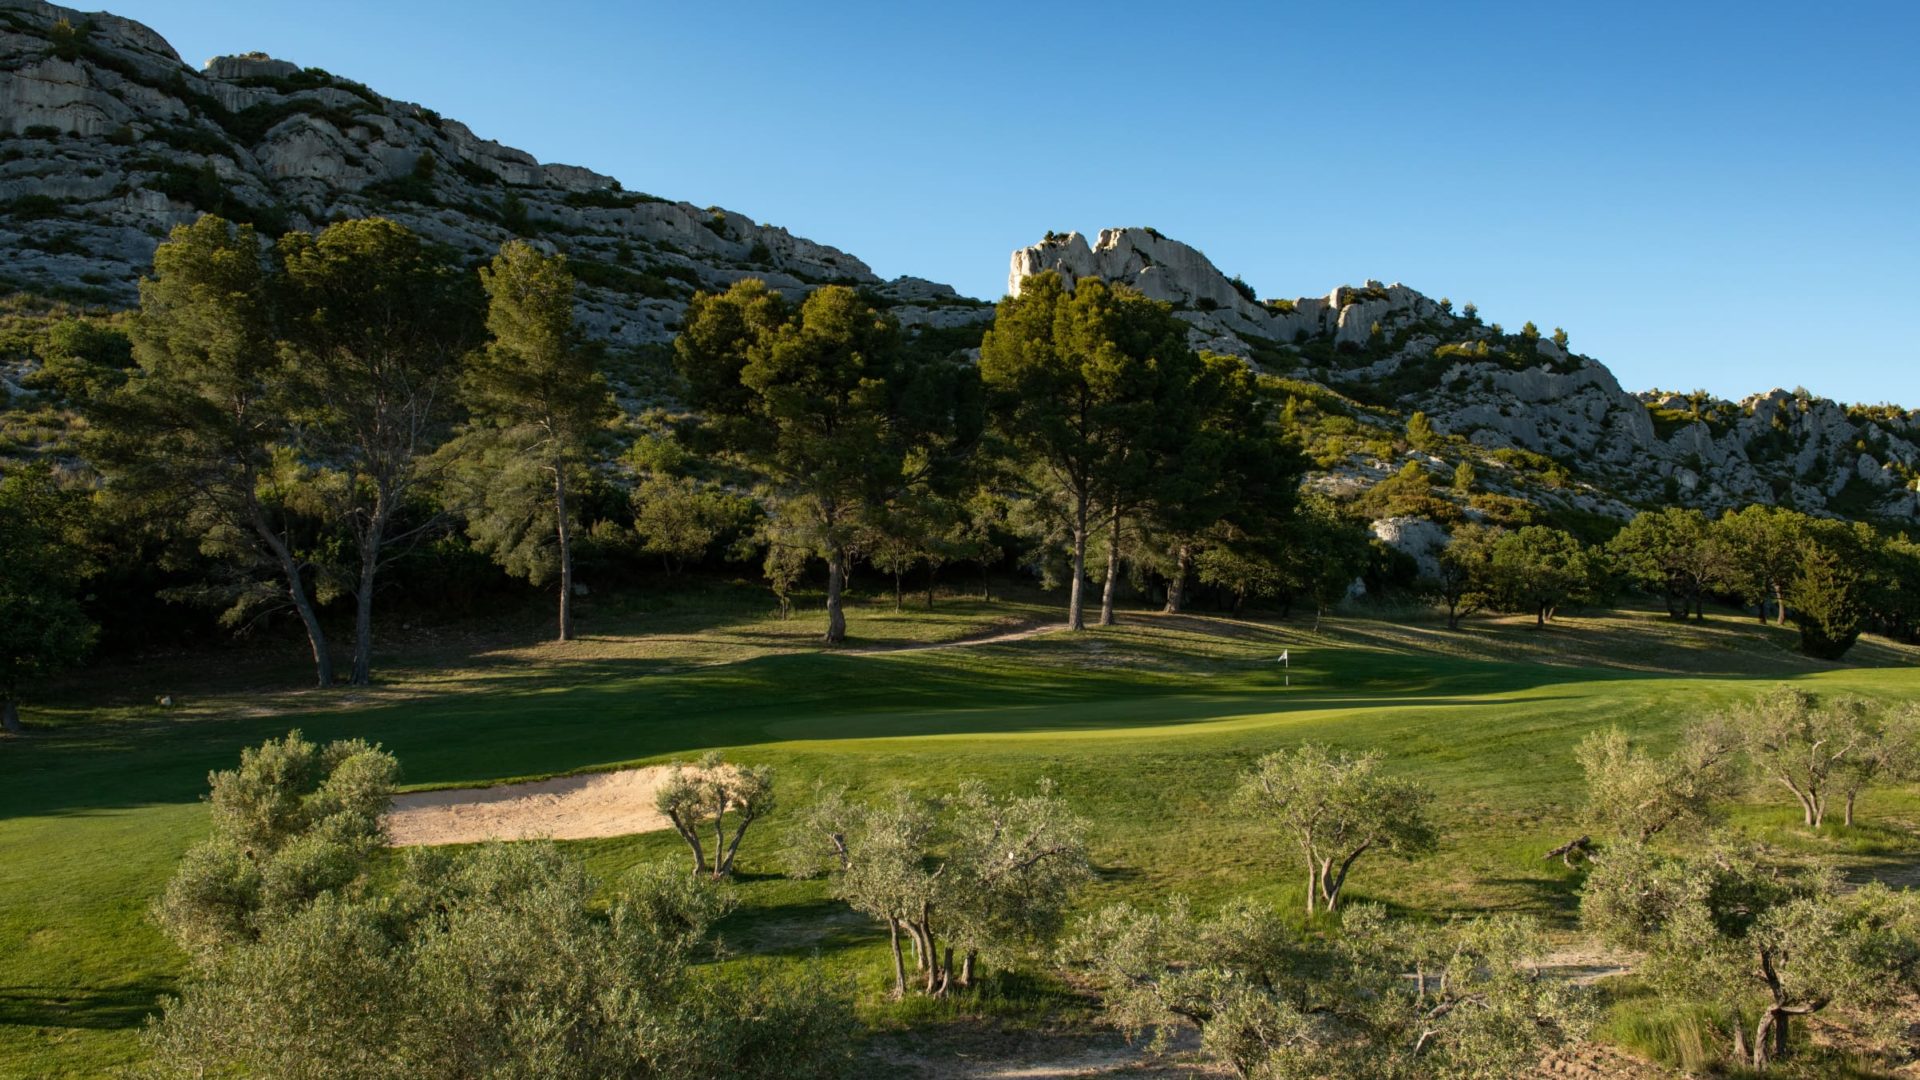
x=1808, y=745
x=1336, y=807
x=1381, y=998
x=976, y=872
x=1727, y=927
x=501, y=961
x=292, y=822
x=1634, y=795
x=701, y=797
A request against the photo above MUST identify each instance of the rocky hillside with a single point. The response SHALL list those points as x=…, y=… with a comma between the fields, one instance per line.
x=1529, y=408
x=108, y=140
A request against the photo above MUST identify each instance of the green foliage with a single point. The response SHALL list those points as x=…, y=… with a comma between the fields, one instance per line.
x=1537, y=569
x=609, y=199
x=1382, y=998
x=1464, y=477
x=498, y=962
x=42, y=625
x=1824, y=598
x=1633, y=796
x=1335, y=807
x=1420, y=433
x=81, y=359
x=1743, y=937
x=415, y=187
x=715, y=795
x=832, y=408
x=294, y=822
x=536, y=401
x=376, y=323
x=1093, y=390
x=988, y=875
x=1677, y=552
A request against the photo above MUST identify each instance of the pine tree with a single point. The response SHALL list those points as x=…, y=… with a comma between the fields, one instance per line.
x=537, y=403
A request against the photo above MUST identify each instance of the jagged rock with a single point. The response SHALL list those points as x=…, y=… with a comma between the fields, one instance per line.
x=108, y=146
x=1541, y=399
x=1417, y=538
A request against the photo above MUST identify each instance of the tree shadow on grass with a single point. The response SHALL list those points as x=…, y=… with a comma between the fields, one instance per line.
x=123, y=1005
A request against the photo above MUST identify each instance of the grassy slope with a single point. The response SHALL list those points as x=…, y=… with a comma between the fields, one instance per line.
x=1143, y=726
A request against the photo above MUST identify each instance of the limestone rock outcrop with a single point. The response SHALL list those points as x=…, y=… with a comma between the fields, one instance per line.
x=108, y=140
x=1395, y=348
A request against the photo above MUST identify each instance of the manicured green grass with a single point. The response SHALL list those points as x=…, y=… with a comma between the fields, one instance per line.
x=1144, y=727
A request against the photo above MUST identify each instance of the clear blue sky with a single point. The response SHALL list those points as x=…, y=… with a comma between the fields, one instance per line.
x=1705, y=195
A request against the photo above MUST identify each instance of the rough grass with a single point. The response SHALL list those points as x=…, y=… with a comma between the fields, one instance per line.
x=1143, y=726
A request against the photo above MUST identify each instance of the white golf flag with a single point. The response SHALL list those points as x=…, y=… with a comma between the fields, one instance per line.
x=1283, y=656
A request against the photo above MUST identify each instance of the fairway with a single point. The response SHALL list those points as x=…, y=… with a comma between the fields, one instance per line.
x=1143, y=727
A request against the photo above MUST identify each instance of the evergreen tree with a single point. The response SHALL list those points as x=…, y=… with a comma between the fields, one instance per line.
x=202, y=430
x=536, y=402
x=377, y=322
x=1092, y=389
x=42, y=626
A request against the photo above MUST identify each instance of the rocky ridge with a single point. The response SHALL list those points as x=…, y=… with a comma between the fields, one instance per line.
x=1398, y=350
x=108, y=140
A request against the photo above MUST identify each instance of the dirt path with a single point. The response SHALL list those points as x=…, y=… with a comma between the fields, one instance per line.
x=564, y=808
x=991, y=639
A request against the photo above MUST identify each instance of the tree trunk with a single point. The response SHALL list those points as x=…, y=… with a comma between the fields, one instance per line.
x=966, y=968
x=899, y=590
x=946, y=973
x=1540, y=618
x=1076, y=617
x=1760, y=1031
x=1332, y=895
x=692, y=836
x=1780, y=602
x=363, y=600
x=1313, y=885
x=1113, y=572
x=1849, y=818
x=1177, y=584
x=836, y=585
x=10, y=716
x=899, y=963
x=566, y=551
x=1453, y=614
x=297, y=592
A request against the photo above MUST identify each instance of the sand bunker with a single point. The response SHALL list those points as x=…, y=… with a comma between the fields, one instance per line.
x=565, y=808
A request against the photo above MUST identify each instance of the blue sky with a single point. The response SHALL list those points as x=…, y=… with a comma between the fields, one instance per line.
x=1710, y=195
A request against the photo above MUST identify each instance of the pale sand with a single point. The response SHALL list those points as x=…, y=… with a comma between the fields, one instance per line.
x=564, y=808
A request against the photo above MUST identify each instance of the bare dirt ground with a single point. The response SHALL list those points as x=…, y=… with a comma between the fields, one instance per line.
x=564, y=808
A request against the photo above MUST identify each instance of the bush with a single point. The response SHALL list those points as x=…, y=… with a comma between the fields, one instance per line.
x=498, y=962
